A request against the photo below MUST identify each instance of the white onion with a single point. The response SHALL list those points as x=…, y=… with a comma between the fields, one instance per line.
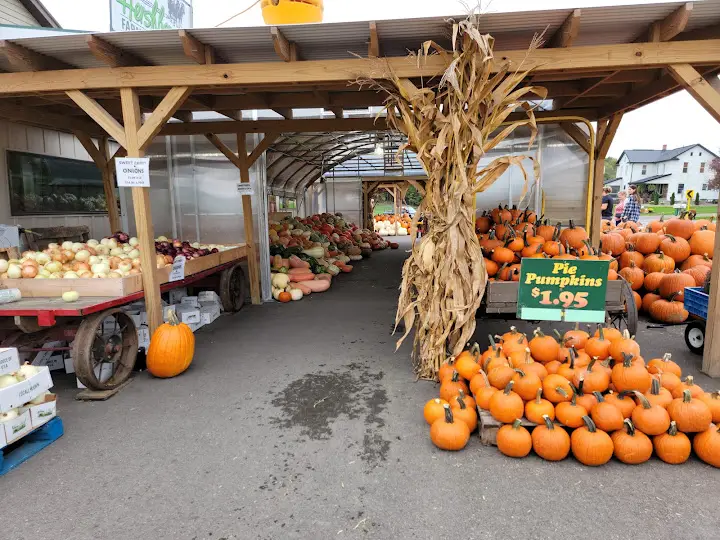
x=134, y=241
x=84, y=274
x=70, y=275
x=40, y=276
x=94, y=259
x=124, y=266
x=54, y=266
x=53, y=246
x=82, y=255
x=40, y=399
x=116, y=251
x=134, y=254
x=112, y=243
x=44, y=272
x=102, y=250
x=14, y=271
x=100, y=268
x=67, y=245
x=104, y=241
x=7, y=380
x=42, y=258
x=161, y=239
x=3, y=266
x=92, y=243
x=77, y=246
x=70, y=296
x=12, y=414
x=26, y=371
x=127, y=248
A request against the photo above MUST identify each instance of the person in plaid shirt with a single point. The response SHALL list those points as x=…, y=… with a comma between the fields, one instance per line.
x=631, y=212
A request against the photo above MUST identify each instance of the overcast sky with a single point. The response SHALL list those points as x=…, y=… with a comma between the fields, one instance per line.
x=676, y=120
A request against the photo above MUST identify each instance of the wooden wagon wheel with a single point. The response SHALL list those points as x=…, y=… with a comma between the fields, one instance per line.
x=232, y=288
x=98, y=346
x=626, y=319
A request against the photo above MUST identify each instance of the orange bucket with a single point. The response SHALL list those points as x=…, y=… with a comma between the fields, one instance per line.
x=292, y=11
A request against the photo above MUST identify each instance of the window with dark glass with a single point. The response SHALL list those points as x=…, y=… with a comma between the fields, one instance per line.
x=51, y=185
x=702, y=167
x=644, y=169
x=681, y=189
x=685, y=166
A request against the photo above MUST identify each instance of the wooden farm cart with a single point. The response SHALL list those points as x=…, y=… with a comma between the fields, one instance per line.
x=501, y=301
x=103, y=335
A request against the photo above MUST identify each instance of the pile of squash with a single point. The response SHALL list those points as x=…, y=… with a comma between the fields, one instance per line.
x=659, y=261
x=386, y=225
x=508, y=235
x=594, y=396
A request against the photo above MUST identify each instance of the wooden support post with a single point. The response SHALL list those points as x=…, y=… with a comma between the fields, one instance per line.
x=143, y=215
x=253, y=262
x=606, y=134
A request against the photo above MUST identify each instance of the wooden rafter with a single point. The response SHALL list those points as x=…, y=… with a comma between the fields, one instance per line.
x=670, y=26
x=374, y=42
x=566, y=34
x=197, y=50
x=285, y=112
x=162, y=113
x=223, y=148
x=285, y=49
x=60, y=122
x=23, y=59
x=581, y=59
x=98, y=113
x=111, y=55
x=688, y=77
x=262, y=146
x=577, y=134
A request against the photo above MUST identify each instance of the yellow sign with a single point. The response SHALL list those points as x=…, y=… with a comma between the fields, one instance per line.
x=690, y=194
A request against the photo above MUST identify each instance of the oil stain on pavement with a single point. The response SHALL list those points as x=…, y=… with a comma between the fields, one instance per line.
x=310, y=405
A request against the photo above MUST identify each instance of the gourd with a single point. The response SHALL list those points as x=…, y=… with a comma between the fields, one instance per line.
x=591, y=446
x=70, y=296
x=317, y=252
x=448, y=434
x=296, y=294
x=316, y=285
x=631, y=446
x=171, y=349
x=672, y=447
x=280, y=280
x=514, y=440
x=549, y=442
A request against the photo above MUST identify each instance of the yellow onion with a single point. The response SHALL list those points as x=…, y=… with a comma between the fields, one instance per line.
x=136, y=263
x=29, y=271
x=82, y=255
x=14, y=271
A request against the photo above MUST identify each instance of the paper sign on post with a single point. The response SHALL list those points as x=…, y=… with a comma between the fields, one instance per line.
x=178, y=269
x=9, y=236
x=133, y=172
x=245, y=189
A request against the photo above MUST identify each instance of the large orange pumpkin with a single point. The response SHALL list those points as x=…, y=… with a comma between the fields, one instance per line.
x=171, y=348
x=682, y=228
x=702, y=242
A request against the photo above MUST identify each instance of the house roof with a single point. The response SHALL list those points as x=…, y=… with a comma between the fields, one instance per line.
x=649, y=179
x=659, y=156
x=611, y=180
x=40, y=13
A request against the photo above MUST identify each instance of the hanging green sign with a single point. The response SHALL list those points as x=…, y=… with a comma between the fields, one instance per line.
x=562, y=290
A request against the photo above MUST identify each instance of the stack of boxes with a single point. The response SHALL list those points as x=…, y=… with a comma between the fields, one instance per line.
x=17, y=397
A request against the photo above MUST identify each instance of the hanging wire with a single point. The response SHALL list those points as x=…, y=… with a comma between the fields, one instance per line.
x=241, y=13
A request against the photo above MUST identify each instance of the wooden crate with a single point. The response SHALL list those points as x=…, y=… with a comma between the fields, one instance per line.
x=488, y=427
x=115, y=287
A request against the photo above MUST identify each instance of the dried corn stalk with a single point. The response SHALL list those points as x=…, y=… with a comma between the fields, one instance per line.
x=451, y=125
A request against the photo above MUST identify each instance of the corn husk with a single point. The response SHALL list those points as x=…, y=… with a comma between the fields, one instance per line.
x=451, y=124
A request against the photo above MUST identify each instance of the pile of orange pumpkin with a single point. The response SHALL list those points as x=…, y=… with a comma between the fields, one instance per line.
x=660, y=260
x=508, y=235
x=596, y=387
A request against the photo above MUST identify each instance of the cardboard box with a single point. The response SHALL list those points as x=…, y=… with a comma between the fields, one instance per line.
x=44, y=412
x=69, y=365
x=139, y=318
x=187, y=314
x=16, y=428
x=103, y=372
x=191, y=301
x=209, y=298
x=17, y=395
x=52, y=359
x=196, y=326
x=9, y=360
x=176, y=295
x=143, y=337
x=208, y=314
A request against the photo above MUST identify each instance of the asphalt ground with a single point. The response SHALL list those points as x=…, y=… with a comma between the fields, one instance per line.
x=300, y=421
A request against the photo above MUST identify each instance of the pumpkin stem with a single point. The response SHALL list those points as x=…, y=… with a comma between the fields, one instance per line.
x=519, y=372
x=591, y=364
x=559, y=337
x=528, y=357
x=643, y=400
x=601, y=332
x=475, y=351
x=455, y=376
x=548, y=423
x=598, y=396
x=687, y=396
x=517, y=423
x=572, y=354
x=172, y=317
x=629, y=427
x=627, y=360
x=581, y=383
x=589, y=424
x=538, y=395
x=461, y=399
x=689, y=380
x=560, y=390
x=672, y=430
x=509, y=388
x=448, y=414
x=655, y=387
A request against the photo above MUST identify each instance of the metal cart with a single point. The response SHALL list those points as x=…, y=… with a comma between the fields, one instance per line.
x=102, y=333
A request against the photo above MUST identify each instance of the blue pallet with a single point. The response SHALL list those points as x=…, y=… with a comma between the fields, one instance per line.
x=17, y=453
x=696, y=301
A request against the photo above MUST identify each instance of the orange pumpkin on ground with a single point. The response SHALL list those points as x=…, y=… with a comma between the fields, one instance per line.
x=672, y=447
x=514, y=440
x=171, y=349
x=550, y=442
x=449, y=434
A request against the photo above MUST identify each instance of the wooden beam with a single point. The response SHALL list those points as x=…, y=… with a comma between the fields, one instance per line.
x=23, y=59
x=577, y=135
x=109, y=54
x=95, y=153
x=374, y=43
x=300, y=100
x=606, y=133
x=109, y=186
x=285, y=49
x=162, y=113
x=670, y=26
x=192, y=47
x=260, y=149
x=600, y=57
x=253, y=262
x=688, y=77
x=217, y=143
x=104, y=119
x=286, y=113
x=339, y=112
x=566, y=34
x=143, y=212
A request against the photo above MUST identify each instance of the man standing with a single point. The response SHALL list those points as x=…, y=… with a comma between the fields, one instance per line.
x=607, y=203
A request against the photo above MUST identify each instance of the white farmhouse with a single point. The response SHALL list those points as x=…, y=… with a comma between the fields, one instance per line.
x=667, y=171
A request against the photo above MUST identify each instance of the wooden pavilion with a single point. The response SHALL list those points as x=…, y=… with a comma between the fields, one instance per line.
x=597, y=64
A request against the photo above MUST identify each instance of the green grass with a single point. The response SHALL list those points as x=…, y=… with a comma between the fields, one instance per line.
x=702, y=210
x=383, y=208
